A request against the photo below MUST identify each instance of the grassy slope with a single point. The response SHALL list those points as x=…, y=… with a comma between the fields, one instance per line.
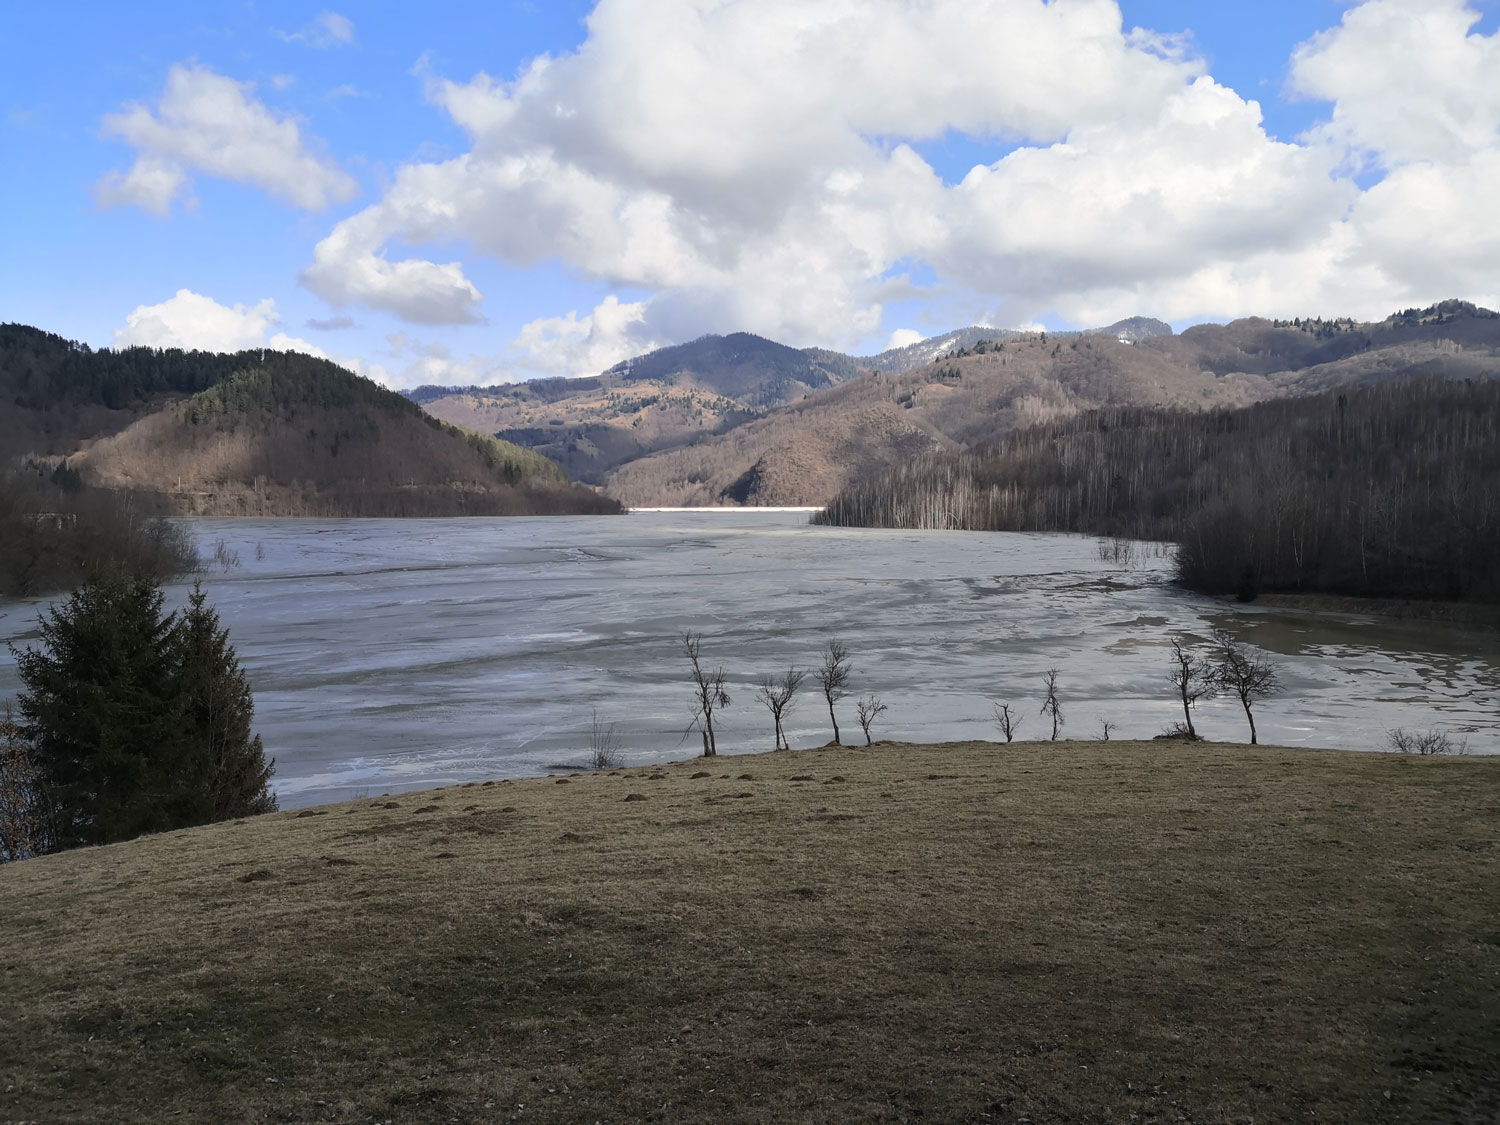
x=1060, y=932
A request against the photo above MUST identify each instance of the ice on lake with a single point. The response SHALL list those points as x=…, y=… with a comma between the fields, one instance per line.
x=395, y=654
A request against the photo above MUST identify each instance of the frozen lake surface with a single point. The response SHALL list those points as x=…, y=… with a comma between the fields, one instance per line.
x=397, y=654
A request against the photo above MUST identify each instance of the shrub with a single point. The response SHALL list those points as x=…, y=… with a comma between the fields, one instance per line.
x=1426, y=744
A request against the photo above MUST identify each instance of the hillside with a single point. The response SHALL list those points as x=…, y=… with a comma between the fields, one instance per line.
x=661, y=400
x=321, y=441
x=253, y=433
x=806, y=452
x=834, y=439
x=1384, y=489
x=1050, y=932
x=680, y=395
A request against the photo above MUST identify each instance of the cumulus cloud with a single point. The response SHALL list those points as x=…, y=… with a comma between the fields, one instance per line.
x=205, y=122
x=574, y=345
x=757, y=167
x=328, y=29
x=1407, y=79
x=194, y=322
x=903, y=338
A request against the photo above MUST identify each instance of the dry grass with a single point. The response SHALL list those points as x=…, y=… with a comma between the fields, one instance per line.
x=1056, y=932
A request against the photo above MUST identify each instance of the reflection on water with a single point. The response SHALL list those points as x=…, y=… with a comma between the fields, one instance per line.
x=397, y=654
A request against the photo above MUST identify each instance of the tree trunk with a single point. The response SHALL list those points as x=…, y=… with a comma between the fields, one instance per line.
x=834, y=720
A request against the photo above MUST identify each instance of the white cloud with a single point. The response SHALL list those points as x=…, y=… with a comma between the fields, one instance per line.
x=1408, y=81
x=757, y=167
x=192, y=321
x=574, y=345
x=350, y=266
x=328, y=29
x=903, y=338
x=208, y=123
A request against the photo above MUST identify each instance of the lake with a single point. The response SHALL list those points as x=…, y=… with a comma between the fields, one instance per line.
x=397, y=654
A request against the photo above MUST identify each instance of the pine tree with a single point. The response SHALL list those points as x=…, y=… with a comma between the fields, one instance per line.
x=102, y=712
x=231, y=772
x=139, y=720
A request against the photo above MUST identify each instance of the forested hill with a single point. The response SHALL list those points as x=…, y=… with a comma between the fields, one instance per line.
x=252, y=433
x=1386, y=490
x=41, y=370
x=976, y=392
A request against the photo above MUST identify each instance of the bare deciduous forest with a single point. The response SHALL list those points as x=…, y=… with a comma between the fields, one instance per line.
x=1379, y=491
x=54, y=537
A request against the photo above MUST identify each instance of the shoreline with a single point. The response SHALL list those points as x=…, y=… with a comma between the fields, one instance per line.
x=1453, y=613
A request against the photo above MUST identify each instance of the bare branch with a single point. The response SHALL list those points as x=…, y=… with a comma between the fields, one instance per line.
x=776, y=695
x=867, y=710
x=1194, y=679
x=833, y=678
x=1248, y=677
x=1009, y=721
x=1051, y=705
x=711, y=693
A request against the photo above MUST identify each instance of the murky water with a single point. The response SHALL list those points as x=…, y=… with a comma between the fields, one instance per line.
x=388, y=655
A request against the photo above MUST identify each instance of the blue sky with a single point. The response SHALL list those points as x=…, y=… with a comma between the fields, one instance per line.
x=374, y=183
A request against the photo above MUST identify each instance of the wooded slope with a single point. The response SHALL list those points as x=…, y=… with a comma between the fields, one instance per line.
x=254, y=433
x=1387, y=490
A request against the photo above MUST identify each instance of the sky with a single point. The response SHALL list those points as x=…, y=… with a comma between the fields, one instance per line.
x=467, y=193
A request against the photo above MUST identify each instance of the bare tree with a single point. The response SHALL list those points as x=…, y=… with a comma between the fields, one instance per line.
x=710, y=689
x=22, y=823
x=1193, y=677
x=1051, y=705
x=777, y=697
x=606, y=750
x=1248, y=677
x=833, y=678
x=1106, y=728
x=1009, y=721
x=867, y=710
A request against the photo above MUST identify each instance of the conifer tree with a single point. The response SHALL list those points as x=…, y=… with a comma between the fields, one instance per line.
x=138, y=719
x=228, y=763
x=102, y=713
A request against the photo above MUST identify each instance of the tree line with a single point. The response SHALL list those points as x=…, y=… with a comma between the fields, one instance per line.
x=54, y=534
x=42, y=369
x=1380, y=491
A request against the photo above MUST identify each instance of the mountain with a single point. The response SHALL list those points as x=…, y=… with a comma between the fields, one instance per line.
x=806, y=452
x=934, y=348
x=747, y=368
x=680, y=395
x=661, y=400
x=254, y=433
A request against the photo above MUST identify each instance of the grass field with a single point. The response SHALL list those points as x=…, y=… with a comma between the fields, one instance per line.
x=962, y=933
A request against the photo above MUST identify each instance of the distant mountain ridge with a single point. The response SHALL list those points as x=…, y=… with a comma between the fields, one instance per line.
x=682, y=394
x=972, y=393
x=930, y=350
